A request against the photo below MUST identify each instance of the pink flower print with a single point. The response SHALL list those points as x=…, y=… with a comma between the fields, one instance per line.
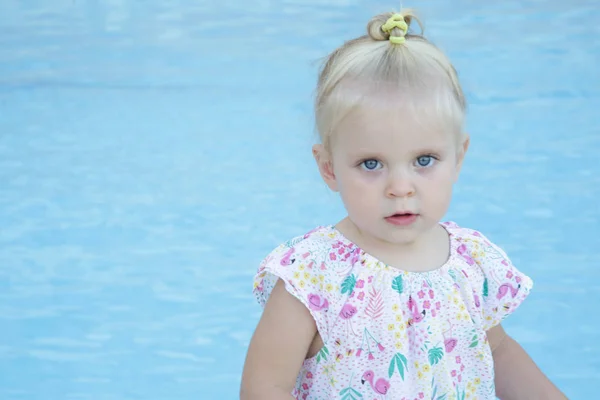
x=421, y=395
x=380, y=347
x=475, y=233
x=433, y=313
x=518, y=279
x=358, y=352
x=460, y=378
x=323, y=266
x=453, y=373
x=341, y=251
x=361, y=295
x=336, y=244
x=370, y=280
x=509, y=274
x=304, y=386
x=438, y=305
x=426, y=304
x=305, y=255
x=430, y=294
x=360, y=283
x=371, y=356
x=421, y=294
x=352, y=294
x=312, y=263
x=458, y=359
x=309, y=375
x=332, y=256
x=462, y=368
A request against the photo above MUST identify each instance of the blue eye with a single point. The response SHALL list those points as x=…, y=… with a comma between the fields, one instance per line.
x=425, y=161
x=370, y=165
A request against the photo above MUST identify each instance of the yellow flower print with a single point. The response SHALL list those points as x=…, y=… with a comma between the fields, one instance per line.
x=390, y=327
x=399, y=345
x=398, y=335
x=321, y=278
x=420, y=374
x=395, y=307
x=301, y=284
x=314, y=280
x=296, y=275
x=301, y=267
x=398, y=318
x=477, y=381
x=306, y=275
x=462, y=307
x=455, y=300
x=329, y=287
x=426, y=368
x=417, y=364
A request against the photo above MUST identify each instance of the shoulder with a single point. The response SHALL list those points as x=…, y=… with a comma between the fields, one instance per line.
x=319, y=248
x=473, y=245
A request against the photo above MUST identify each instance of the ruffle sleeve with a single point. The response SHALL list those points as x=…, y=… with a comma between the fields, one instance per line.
x=302, y=265
x=503, y=287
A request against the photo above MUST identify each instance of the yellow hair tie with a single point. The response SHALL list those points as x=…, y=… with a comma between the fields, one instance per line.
x=395, y=21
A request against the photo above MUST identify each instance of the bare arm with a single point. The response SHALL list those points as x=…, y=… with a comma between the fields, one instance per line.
x=517, y=376
x=277, y=348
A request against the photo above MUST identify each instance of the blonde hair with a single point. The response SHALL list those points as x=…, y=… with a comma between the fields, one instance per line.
x=365, y=68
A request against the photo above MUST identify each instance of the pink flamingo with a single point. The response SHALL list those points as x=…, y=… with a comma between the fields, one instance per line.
x=381, y=386
x=414, y=309
x=287, y=257
x=463, y=251
x=449, y=343
x=348, y=311
x=505, y=287
x=315, y=302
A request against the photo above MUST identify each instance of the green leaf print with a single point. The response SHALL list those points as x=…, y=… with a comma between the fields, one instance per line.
x=348, y=284
x=485, y=287
x=397, y=284
x=474, y=341
x=322, y=355
x=435, y=355
x=350, y=394
x=398, y=362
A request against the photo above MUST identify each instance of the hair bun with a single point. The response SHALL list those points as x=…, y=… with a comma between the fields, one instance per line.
x=379, y=27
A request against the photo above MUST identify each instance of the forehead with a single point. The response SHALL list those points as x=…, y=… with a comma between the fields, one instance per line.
x=392, y=128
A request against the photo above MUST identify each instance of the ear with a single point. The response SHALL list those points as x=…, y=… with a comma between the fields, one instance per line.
x=462, y=151
x=325, y=164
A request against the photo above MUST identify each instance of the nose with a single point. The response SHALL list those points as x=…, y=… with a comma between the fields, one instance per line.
x=400, y=185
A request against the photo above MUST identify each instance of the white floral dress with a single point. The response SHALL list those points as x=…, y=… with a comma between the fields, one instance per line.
x=392, y=334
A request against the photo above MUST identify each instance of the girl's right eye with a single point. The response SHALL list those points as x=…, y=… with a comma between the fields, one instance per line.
x=370, y=165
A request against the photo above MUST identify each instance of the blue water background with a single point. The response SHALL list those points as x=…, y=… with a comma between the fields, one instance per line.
x=151, y=153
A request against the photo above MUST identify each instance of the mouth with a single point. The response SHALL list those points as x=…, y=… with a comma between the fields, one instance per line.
x=403, y=218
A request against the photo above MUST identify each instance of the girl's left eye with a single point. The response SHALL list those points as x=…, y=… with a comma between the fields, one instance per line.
x=425, y=161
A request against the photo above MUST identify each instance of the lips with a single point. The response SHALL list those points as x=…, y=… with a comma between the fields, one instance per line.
x=402, y=218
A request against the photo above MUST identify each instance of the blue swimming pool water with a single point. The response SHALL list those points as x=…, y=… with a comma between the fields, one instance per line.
x=152, y=152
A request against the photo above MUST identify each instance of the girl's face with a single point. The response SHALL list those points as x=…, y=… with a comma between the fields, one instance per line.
x=385, y=164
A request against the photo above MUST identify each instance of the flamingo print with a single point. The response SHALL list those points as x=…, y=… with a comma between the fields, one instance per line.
x=414, y=309
x=463, y=251
x=506, y=287
x=381, y=385
x=450, y=342
x=348, y=311
x=287, y=257
x=315, y=302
